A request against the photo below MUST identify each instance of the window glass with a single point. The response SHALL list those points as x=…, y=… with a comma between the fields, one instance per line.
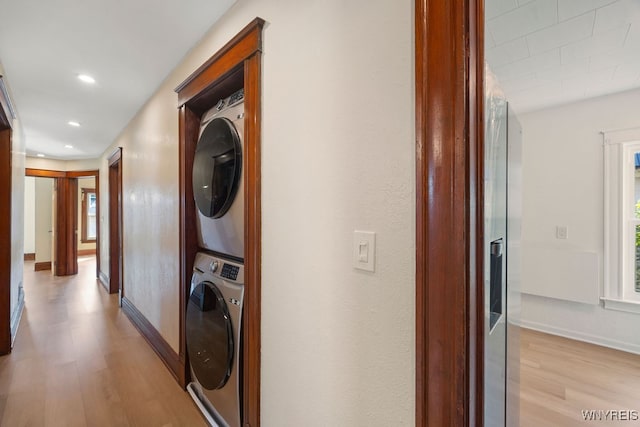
x=89, y=221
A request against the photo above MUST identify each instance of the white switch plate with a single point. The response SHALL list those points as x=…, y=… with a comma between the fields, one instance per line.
x=364, y=250
x=562, y=232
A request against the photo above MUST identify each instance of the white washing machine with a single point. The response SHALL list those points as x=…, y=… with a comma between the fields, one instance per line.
x=218, y=178
x=213, y=337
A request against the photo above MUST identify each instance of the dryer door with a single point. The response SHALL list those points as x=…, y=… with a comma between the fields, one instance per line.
x=216, y=168
x=209, y=335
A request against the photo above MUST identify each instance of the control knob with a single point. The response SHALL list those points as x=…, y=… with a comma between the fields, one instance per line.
x=214, y=266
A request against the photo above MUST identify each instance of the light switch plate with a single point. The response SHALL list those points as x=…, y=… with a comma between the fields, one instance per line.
x=364, y=250
x=562, y=232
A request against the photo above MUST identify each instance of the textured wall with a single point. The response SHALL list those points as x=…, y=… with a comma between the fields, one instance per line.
x=338, y=155
x=29, y=215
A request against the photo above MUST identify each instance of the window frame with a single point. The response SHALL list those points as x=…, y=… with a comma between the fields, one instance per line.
x=85, y=215
x=619, y=220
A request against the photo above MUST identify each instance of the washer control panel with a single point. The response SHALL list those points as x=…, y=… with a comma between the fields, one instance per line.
x=236, y=97
x=229, y=271
x=210, y=267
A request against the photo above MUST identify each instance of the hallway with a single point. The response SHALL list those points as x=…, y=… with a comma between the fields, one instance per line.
x=78, y=361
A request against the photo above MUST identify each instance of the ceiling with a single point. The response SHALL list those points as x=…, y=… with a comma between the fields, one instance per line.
x=551, y=52
x=543, y=53
x=128, y=46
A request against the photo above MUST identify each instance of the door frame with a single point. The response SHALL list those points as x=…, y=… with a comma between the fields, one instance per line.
x=65, y=181
x=115, y=225
x=449, y=212
x=238, y=64
x=6, y=189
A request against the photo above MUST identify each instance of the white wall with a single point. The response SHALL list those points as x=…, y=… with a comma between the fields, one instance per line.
x=563, y=185
x=337, y=155
x=43, y=220
x=29, y=215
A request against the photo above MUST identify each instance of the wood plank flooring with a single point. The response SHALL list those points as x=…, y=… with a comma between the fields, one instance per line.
x=78, y=361
x=561, y=377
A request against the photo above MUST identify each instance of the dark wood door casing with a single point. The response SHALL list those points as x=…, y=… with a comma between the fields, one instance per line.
x=66, y=246
x=115, y=222
x=5, y=235
x=6, y=189
x=449, y=225
x=236, y=65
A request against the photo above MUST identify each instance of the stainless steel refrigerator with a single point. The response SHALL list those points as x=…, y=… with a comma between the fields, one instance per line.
x=502, y=212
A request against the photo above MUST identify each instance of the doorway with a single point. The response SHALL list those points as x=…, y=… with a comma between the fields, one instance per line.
x=115, y=224
x=65, y=231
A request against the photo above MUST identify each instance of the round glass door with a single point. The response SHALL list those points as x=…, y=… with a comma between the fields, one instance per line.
x=216, y=168
x=209, y=336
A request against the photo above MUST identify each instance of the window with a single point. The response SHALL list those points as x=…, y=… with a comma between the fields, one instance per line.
x=89, y=202
x=622, y=220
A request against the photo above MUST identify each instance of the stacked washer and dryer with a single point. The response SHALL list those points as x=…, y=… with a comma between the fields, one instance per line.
x=214, y=308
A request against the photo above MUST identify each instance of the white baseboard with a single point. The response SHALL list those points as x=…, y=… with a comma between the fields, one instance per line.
x=104, y=280
x=580, y=336
x=16, y=316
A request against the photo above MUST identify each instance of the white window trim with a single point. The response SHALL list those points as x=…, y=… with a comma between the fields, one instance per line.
x=619, y=293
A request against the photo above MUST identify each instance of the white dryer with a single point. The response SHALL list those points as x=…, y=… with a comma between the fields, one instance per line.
x=213, y=337
x=218, y=178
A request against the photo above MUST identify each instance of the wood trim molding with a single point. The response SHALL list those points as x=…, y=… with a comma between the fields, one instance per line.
x=449, y=303
x=86, y=252
x=30, y=257
x=41, y=266
x=115, y=223
x=82, y=173
x=115, y=156
x=162, y=348
x=45, y=173
x=236, y=65
x=84, y=210
x=66, y=263
x=252, y=241
x=245, y=44
x=5, y=237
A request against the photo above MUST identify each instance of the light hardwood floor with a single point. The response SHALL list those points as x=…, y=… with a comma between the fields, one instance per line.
x=78, y=361
x=561, y=377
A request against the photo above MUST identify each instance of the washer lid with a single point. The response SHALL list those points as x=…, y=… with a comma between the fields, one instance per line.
x=209, y=336
x=216, y=168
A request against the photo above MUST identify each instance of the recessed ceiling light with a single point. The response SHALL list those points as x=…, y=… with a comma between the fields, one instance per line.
x=68, y=146
x=40, y=155
x=74, y=124
x=87, y=79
